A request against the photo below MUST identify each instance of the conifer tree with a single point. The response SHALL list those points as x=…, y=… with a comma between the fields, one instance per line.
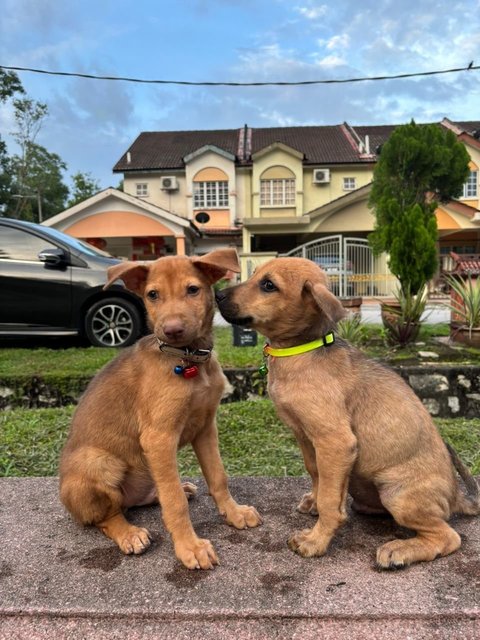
x=419, y=166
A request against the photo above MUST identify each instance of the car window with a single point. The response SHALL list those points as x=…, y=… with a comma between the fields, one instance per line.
x=16, y=244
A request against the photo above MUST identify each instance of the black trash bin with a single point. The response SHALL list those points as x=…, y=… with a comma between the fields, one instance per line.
x=243, y=337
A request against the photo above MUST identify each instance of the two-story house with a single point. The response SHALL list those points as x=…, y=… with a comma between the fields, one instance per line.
x=297, y=190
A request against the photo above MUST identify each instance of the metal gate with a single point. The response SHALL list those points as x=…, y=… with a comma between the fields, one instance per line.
x=352, y=268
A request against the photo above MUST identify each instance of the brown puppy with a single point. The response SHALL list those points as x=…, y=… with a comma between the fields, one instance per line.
x=360, y=427
x=155, y=397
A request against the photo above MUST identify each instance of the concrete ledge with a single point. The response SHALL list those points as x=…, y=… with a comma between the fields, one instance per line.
x=58, y=580
x=446, y=390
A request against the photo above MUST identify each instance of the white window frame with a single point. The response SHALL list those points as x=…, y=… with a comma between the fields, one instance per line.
x=349, y=183
x=470, y=188
x=277, y=192
x=211, y=194
x=141, y=189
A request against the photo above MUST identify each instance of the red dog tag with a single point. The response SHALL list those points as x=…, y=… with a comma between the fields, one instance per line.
x=190, y=372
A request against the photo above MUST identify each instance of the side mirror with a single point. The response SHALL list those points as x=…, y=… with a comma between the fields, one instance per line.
x=53, y=257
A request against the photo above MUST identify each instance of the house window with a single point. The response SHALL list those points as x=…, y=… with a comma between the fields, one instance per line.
x=349, y=184
x=470, y=188
x=210, y=195
x=142, y=189
x=277, y=192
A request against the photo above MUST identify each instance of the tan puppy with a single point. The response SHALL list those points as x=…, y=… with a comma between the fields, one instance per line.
x=360, y=427
x=155, y=397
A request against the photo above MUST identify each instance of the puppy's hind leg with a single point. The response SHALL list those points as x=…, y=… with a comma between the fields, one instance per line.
x=425, y=515
x=91, y=490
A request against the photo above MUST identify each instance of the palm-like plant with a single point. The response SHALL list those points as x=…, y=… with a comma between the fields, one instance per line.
x=466, y=304
x=402, y=321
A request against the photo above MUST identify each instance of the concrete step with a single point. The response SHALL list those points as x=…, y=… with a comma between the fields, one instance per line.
x=58, y=580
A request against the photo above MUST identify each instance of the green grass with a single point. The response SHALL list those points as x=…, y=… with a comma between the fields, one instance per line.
x=62, y=364
x=253, y=442
x=58, y=363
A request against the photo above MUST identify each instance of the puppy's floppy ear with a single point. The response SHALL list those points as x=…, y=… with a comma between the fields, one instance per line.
x=325, y=300
x=216, y=264
x=133, y=274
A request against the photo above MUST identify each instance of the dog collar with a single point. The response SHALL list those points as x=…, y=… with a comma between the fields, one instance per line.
x=324, y=341
x=189, y=357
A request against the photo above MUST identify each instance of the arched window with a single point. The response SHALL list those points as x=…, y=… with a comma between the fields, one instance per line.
x=277, y=187
x=210, y=189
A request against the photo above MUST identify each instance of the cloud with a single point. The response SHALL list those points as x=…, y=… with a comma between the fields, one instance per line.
x=313, y=11
x=341, y=41
x=92, y=123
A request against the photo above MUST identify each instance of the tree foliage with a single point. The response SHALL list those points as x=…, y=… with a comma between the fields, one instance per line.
x=419, y=166
x=42, y=180
x=9, y=85
x=84, y=186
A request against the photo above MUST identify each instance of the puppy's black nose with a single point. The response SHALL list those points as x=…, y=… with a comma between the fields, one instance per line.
x=220, y=296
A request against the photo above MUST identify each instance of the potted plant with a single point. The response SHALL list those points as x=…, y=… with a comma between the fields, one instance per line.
x=402, y=320
x=465, y=307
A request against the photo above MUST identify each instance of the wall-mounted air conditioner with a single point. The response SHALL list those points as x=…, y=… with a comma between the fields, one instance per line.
x=168, y=183
x=321, y=176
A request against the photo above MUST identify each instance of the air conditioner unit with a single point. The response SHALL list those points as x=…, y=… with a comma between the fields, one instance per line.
x=321, y=176
x=168, y=183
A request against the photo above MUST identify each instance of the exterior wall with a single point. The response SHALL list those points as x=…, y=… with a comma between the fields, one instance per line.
x=317, y=195
x=355, y=218
x=244, y=192
x=174, y=201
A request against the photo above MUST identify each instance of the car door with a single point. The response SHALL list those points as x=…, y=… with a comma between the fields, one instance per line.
x=31, y=292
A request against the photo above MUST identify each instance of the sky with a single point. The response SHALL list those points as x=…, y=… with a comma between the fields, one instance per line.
x=91, y=123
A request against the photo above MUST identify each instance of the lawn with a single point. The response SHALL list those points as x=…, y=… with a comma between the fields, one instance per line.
x=252, y=440
x=61, y=364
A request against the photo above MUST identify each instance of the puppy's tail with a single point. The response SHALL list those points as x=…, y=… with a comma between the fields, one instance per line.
x=468, y=503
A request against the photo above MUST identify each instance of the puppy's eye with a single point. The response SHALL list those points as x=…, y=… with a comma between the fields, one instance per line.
x=152, y=295
x=267, y=286
x=192, y=290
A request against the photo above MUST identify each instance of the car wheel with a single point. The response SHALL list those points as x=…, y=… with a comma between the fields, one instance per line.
x=112, y=322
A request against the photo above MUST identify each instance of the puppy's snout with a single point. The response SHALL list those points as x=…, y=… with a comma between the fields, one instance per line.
x=220, y=296
x=173, y=329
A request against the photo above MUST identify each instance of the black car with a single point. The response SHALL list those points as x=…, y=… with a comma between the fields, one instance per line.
x=52, y=284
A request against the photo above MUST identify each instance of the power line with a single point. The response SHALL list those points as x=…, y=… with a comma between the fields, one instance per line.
x=89, y=76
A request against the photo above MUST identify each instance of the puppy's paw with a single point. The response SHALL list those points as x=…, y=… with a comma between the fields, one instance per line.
x=135, y=541
x=196, y=554
x=242, y=516
x=396, y=554
x=190, y=489
x=307, y=543
x=308, y=504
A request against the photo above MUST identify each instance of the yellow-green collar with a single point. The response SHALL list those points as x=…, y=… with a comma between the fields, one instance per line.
x=325, y=340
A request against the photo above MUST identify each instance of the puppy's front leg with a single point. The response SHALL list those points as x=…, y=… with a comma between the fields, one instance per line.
x=161, y=452
x=335, y=456
x=308, y=503
x=205, y=446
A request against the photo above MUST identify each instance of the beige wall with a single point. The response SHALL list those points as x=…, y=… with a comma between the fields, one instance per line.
x=174, y=201
x=317, y=195
x=355, y=217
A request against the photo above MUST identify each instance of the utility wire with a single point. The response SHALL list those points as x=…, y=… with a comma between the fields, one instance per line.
x=89, y=76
